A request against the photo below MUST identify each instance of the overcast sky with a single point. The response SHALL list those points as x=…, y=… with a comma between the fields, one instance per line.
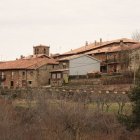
x=63, y=24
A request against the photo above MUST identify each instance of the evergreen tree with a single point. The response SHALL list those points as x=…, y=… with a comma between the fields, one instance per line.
x=133, y=121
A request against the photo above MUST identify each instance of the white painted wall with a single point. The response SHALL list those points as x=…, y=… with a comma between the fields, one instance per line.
x=82, y=65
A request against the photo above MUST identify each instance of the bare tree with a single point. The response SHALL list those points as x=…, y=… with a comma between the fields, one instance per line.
x=136, y=35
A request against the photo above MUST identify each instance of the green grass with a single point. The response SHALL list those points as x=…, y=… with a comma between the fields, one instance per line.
x=113, y=108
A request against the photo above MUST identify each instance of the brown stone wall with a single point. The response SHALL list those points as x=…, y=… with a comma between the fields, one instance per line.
x=64, y=65
x=44, y=74
x=100, y=56
x=27, y=78
x=20, y=78
x=41, y=50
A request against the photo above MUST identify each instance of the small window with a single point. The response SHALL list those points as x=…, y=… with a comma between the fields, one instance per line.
x=2, y=74
x=23, y=83
x=37, y=50
x=12, y=83
x=30, y=82
x=44, y=51
x=12, y=74
x=64, y=65
x=23, y=73
x=53, y=66
x=58, y=75
x=53, y=76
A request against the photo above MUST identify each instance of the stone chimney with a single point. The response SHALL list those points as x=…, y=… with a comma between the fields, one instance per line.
x=41, y=49
x=101, y=41
x=86, y=44
x=21, y=57
x=95, y=43
x=121, y=43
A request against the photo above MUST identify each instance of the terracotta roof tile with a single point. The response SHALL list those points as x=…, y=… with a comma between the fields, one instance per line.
x=114, y=49
x=32, y=63
x=93, y=46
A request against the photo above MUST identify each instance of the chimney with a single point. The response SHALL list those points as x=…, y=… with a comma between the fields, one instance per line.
x=86, y=44
x=95, y=43
x=121, y=43
x=101, y=41
x=21, y=56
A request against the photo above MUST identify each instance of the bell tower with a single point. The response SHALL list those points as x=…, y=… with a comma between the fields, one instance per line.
x=41, y=49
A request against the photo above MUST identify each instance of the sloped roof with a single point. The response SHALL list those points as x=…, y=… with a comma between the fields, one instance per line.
x=93, y=46
x=68, y=58
x=41, y=46
x=36, y=56
x=32, y=63
x=135, y=47
x=114, y=49
x=77, y=56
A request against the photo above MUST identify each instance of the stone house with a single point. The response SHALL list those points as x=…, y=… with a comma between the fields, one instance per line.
x=109, y=52
x=59, y=77
x=31, y=71
x=135, y=58
x=114, y=59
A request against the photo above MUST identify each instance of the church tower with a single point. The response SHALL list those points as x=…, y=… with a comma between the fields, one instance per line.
x=41, y=49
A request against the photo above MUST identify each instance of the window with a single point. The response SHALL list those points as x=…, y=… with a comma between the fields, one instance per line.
x=30, y=82
x=23, y=73
x=2, y=75
x=37, y=50
x=53, y=76
x=12, y=74
x=53, y=66
x=12, y=83
x=23, y=83
x=44, y=51
x=58, y=75
x=64, y=65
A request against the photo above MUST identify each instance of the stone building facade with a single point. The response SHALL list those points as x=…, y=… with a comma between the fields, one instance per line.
x=41, y=49
x=135, y=58
x=109, y=52
x=31, y=71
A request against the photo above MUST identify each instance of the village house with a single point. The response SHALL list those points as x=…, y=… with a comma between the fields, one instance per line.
x=80, y=64
x=109, y=52
x=31, y=71
x=59, y=77
x=74, y=66
x=135, y=58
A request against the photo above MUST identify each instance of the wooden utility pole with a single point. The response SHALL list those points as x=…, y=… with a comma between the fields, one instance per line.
x=134, y=69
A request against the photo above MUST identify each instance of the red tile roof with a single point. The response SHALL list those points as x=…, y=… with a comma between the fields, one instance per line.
x=114, y=49
x=103, y=44
x=32, y=63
